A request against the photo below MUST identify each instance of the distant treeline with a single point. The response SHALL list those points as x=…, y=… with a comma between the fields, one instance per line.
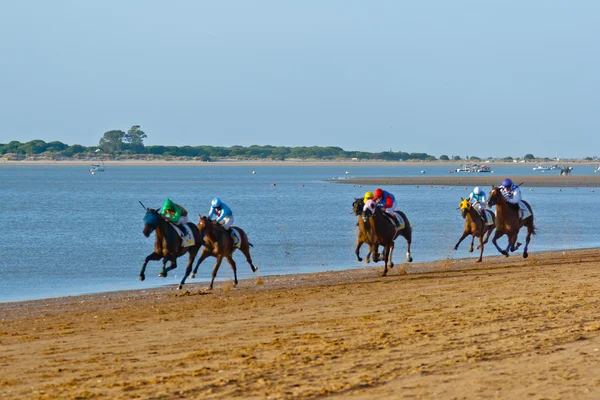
x=37, y=148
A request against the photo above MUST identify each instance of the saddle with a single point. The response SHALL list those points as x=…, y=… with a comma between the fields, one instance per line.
x=188, y=239
x=398, y=224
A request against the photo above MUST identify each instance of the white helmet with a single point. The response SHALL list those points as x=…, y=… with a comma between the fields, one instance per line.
x=477, y=190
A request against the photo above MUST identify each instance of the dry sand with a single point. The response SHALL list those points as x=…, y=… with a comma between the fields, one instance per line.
x=507, y=328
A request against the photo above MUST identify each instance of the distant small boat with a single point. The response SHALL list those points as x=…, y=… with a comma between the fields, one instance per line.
x=541, y=167
x=482, y=168
x=97, y=168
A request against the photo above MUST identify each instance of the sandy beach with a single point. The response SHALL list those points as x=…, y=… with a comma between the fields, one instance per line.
x=507, y=328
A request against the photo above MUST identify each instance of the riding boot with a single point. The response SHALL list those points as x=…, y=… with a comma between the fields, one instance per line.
x=483, y=216
x=395, y=219
x=184, y=231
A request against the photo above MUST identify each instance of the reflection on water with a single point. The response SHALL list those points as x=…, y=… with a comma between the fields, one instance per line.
x=67, y=232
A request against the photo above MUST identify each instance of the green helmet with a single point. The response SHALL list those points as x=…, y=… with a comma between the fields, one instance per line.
x=169, y=205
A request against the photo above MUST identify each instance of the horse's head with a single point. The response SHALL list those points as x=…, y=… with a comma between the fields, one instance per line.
x=357, y=206
x=369, y=209
x=464, y=207
x=495, y=196
x=150, y=221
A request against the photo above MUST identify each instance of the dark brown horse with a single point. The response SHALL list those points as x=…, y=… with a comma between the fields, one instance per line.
x=509, y=222
x=167, y=245
x=219, y=243
x=383, y=233
x=475, y=226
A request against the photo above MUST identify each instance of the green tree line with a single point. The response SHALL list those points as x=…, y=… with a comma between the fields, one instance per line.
x=56, y=149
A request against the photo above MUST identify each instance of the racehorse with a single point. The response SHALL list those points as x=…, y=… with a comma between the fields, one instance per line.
x=475, y=226
x=219, y=243
x=168, y=243
x=508, y=222
x=383, y=233
x=364, y=230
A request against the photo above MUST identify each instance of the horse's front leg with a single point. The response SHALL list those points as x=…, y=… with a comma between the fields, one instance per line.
x=173, y=264
x=386, y=254
x=151, y=257
x=188, y=268
x=357, y=251
x=472, y=242
x=497, y=235
x=163, y=272
x=214, y=272
x=205, y=254
x=464, y=235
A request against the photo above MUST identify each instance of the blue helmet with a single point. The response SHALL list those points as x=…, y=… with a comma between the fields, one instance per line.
x=216, y=202
x=507, y=182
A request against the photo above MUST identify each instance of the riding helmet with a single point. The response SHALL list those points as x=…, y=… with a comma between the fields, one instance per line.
x=368, y=195
x=378, y=193
x=507, y=182
x=216, y=202
x=169, y=205
x=477, y=190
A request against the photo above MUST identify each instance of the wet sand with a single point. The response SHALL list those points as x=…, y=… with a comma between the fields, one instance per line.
x=505, y=328
x=486, y=180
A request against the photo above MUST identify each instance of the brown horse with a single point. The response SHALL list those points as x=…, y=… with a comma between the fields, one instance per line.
x=509, y=222
x=219, y=243
x=383, y=233
x=167, y=245
x=475, y=226
x=364, y=230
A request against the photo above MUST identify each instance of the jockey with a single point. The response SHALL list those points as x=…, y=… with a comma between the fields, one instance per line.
x=368, y=196
x=478, y=199
x=222, y=212
x=387, y=201
x=175, y=214
x=510, y=191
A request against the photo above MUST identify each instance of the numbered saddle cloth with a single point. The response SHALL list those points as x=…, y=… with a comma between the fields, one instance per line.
x=186, y=240
x=235, y=235
x=524, y=211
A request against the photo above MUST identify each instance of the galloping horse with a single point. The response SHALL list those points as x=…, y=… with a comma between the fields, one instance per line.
x=364, y=230
x=167, y=245
x=475, y=226
x=383, y=233
x=508, y=222
x=219, y=243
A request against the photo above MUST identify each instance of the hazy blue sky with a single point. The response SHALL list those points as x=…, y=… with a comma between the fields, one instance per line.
x=488, y=78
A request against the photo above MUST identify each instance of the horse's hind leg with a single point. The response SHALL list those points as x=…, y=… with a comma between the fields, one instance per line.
x=489, y=233
x=527, y=239
x=233, y=267
x=480, y=247
x=214, y=272
x=151, y=257
x=245, y=249
x=188, y=269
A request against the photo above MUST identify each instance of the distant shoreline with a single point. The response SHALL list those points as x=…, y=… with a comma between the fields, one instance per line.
x=349, y=163
x=478, y=180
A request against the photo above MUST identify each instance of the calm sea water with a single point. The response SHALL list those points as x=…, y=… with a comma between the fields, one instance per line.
x=67, y=232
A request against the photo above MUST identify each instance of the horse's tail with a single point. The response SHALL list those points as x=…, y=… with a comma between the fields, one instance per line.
x=408, y=227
